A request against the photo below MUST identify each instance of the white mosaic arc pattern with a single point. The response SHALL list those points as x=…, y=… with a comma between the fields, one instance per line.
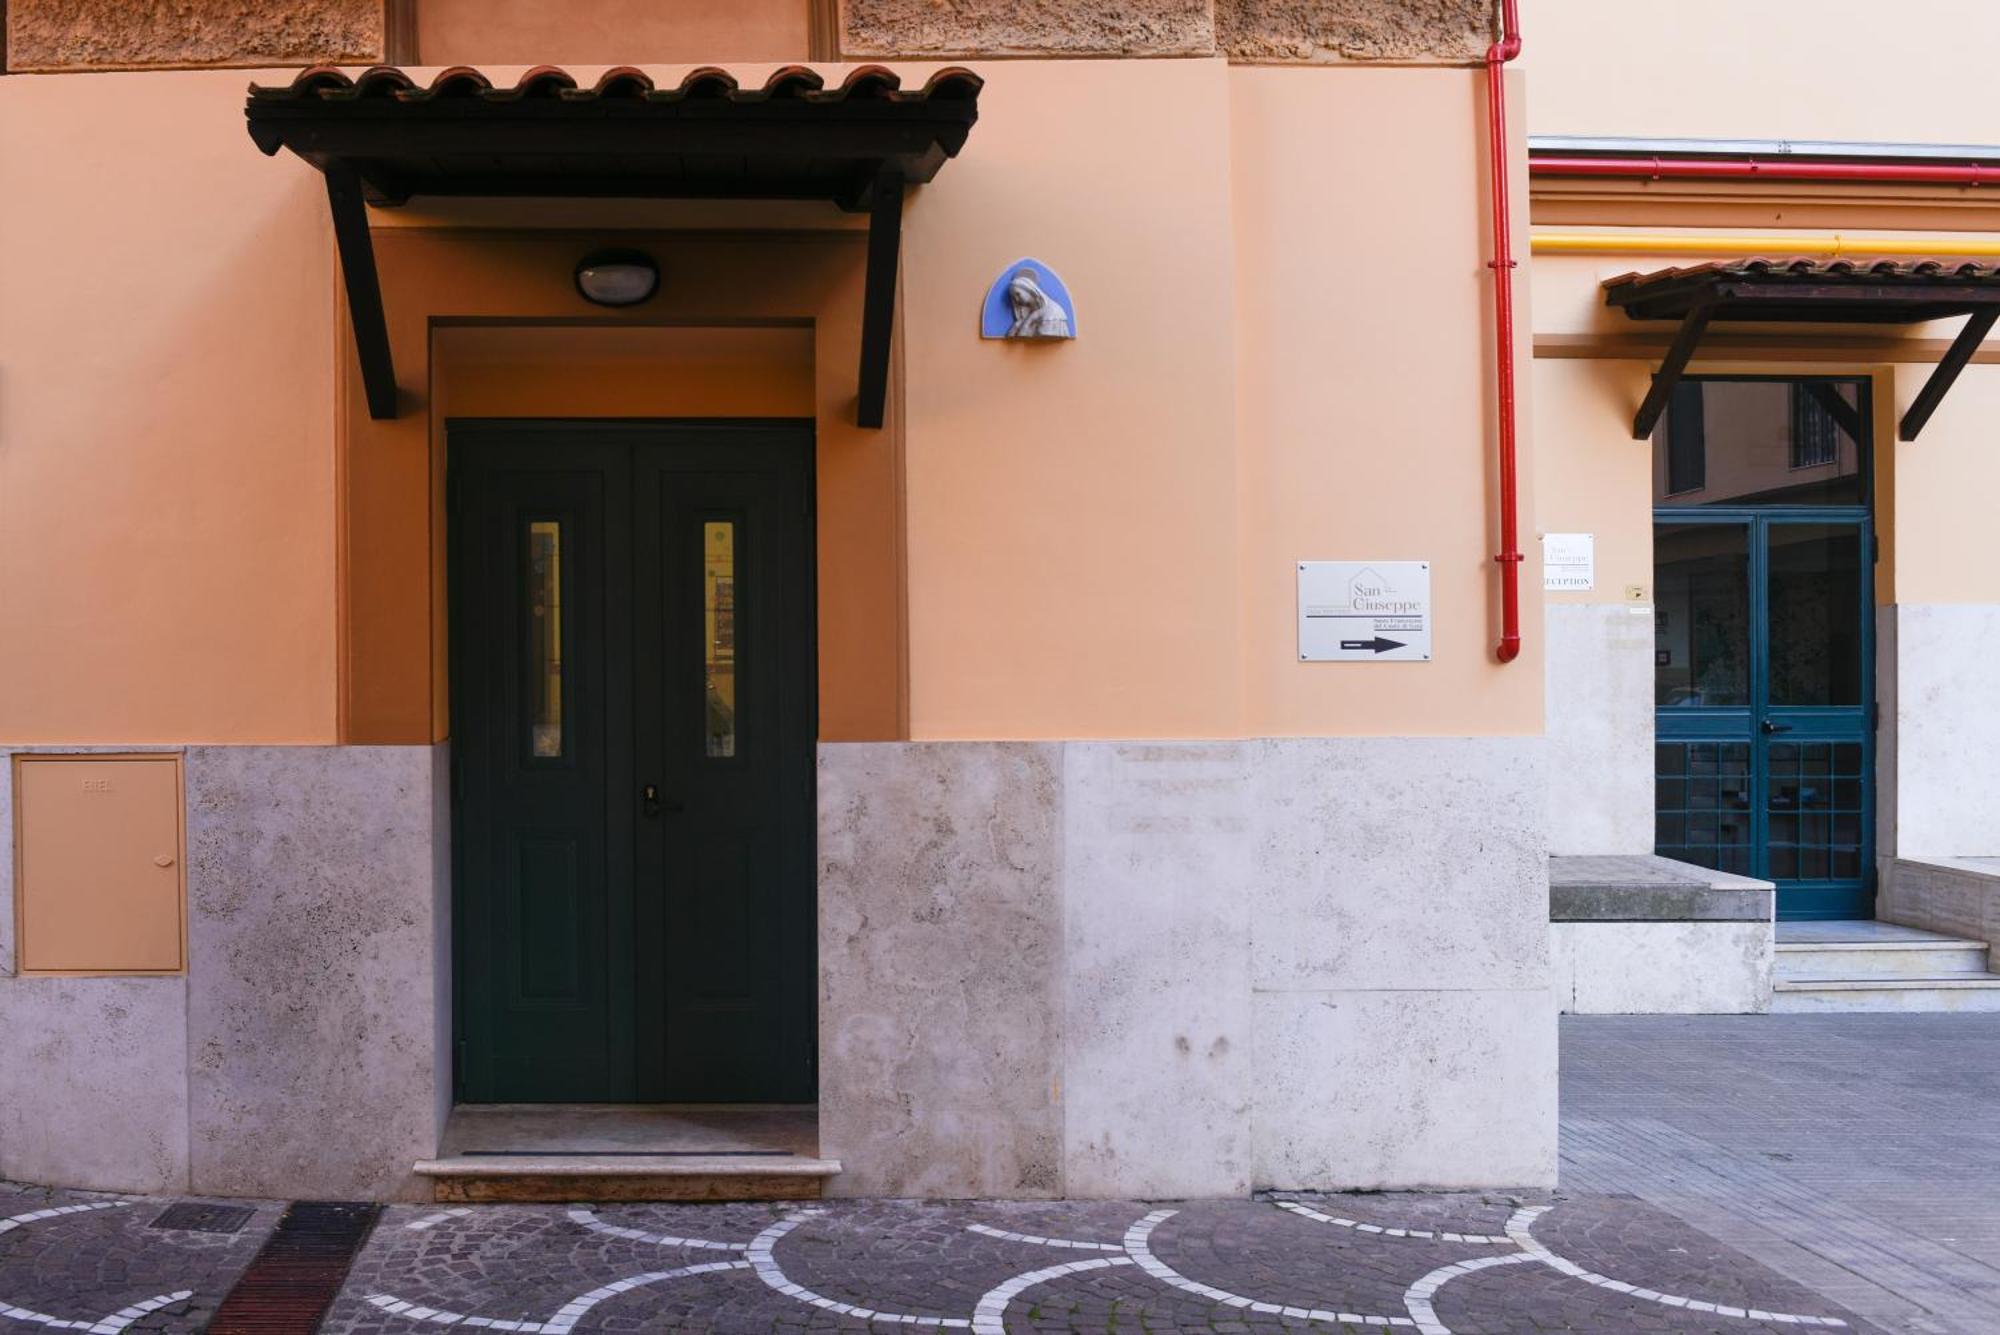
x=109, y=1324
x=1134, y=1249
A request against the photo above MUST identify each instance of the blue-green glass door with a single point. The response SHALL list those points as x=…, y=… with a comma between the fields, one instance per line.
x=1763, y=657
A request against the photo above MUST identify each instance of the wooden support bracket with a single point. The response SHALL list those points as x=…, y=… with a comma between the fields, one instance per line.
x=1679, y=353
x=878, y=312
x=364, y=289
x=1956, y=356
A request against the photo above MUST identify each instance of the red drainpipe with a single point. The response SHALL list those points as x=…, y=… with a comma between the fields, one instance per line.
x=1713, y=169
x=1509, y=557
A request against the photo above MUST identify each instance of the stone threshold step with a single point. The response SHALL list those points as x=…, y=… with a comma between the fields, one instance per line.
x=631, y=1177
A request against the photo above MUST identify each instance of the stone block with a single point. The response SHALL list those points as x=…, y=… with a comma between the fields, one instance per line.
x=1648, y=888
x=1600, y=728
x=1664, y=968
x=941, y=956
x=311, y=1031
x=880, y=28
x=93, y=1083
x=1947, y=733
x=1399, y=863
x=1323, y=31
x=1157, y=969
x=112, y=34
x=1380, y=1090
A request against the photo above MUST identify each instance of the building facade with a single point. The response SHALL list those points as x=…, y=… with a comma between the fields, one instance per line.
x=891, y=675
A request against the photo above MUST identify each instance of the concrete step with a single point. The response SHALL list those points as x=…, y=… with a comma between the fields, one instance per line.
x=627, y=1177
x=1937, y=958
x=1952, y=992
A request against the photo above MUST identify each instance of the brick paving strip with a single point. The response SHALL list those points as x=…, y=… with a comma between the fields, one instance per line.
x=1432, y=1264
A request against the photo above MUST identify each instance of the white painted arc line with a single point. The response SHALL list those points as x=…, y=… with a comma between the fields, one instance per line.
x=125, y=1316
x=987, y=1231
x=1382, y=1231
x=1520, y=1229
x=989, y=1317
x=55, y=1211
x=1417, y=1298
x=106, y=1325
x=587, y=1218
x=562, y=1319
x=766, y=1265
x=1138, y=1245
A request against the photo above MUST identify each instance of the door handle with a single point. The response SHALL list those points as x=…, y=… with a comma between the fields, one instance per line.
x=1776, y=727
x=650, y=805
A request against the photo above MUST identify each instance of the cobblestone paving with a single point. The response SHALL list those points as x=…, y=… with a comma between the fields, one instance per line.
x=1471, y=1264
x=94, y=1263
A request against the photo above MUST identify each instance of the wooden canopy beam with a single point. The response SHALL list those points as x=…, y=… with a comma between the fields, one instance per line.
x=878, y=311
x=1956, y=356
x=364, y=289
x=1679, y=353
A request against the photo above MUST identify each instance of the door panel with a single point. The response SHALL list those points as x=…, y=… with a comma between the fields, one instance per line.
x=541, y=734
x=1765, y=719
x=633, y=741
x=725, y=717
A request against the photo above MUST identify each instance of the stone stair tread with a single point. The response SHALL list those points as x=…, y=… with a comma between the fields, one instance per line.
x=1822, y=983
x=1942, y=943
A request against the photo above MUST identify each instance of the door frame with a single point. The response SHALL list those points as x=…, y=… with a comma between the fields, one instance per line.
x=1809, y=722
x=713, y=431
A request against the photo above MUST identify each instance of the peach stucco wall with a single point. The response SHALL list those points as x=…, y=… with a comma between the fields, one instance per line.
x=166, y=419
x=1283, y=356
x=1776, y=69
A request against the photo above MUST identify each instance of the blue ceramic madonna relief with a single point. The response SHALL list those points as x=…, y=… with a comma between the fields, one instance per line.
x=1027, y=300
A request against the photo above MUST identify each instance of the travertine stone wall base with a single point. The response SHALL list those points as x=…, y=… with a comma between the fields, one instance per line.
x=1327, y=31
x=300, y=1054
x=1945, y=730
x=1600, y=728
x=1252, y=31
x=154, y=34
x=1663, y=968
x=1164, y=969
x=311, y=1035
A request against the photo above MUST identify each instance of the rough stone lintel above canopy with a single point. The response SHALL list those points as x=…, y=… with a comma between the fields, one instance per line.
x=1249, y=31
x=48, y=35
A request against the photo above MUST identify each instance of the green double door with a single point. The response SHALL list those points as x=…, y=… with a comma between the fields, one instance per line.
x=633, y=722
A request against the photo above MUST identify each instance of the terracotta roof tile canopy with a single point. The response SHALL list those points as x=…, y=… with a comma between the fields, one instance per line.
x=1811, y=291
x=382, y=139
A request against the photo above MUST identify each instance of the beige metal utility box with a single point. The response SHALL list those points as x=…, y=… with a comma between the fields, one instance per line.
x=98, y=884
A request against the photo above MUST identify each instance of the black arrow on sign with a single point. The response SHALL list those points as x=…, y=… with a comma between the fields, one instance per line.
x=1378, y=644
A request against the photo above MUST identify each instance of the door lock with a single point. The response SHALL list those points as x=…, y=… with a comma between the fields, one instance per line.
x=1776, y=727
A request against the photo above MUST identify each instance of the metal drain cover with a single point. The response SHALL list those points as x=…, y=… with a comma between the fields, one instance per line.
x=195, y=1217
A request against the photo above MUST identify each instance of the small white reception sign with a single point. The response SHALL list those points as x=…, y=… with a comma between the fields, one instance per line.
x=1569, y=562
x=1364, y=611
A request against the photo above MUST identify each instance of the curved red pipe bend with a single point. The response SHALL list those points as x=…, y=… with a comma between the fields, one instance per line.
x=1509, y=556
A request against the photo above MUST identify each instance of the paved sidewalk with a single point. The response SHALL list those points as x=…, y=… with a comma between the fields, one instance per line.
x=1431, y=1264
x=1856, y=1154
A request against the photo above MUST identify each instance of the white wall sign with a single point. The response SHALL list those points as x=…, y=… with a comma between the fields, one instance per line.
x=1569, y=561
x=1364, y=611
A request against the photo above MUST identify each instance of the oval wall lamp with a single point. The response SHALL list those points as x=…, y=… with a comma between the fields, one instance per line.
x=617, y=277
